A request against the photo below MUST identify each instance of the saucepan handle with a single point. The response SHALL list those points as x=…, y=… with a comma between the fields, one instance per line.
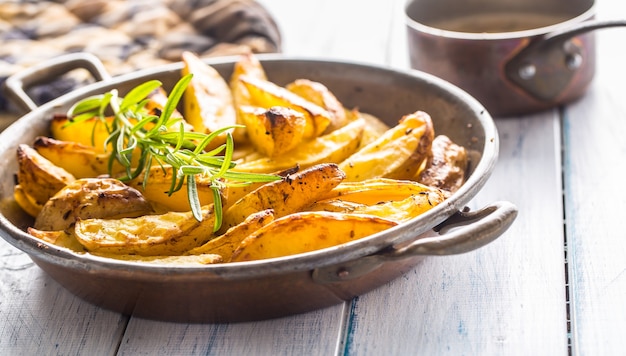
x=462, y=232
x=16, y=84
x=546, y=66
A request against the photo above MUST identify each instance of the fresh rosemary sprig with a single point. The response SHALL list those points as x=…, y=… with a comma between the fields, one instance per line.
x=134, y=131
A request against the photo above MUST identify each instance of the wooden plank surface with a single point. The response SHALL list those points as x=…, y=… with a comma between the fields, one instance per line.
x=595, y=200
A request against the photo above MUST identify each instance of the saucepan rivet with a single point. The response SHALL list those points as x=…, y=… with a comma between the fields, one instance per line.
x=343, y=273
x=527, y=71
x=573, y=61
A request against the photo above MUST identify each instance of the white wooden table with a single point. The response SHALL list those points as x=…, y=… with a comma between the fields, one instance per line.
x=553, y=284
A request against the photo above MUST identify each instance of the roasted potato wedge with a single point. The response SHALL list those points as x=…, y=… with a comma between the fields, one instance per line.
x=248, y=64
x=90, y=198
x=39, y=178
x=334, y=147
x=157, y=187
x=398, y=153
x=266, y=94
x=82, y=161
x=395, y=210
x=92, y=133
x=447, y=165
x=307, y=231
x=377, y=190
x=285, y=196
x=59, y=238
x=208, y=101
x=225, y=244
x=273, y=131
x=26, y=202
x=318, y=94
x=168, y=234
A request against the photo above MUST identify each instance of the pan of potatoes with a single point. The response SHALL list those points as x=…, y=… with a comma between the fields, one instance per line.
x=243, y=188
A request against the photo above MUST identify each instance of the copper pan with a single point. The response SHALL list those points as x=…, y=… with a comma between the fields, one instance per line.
x=280, y=286
x=514, y=56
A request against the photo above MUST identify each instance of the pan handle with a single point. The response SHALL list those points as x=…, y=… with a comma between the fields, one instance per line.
x=16, y=84
x=462, y=232
x=546, y=66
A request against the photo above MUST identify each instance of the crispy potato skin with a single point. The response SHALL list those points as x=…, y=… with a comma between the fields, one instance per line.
x=80, y=160
x=90, y=198
x=318, y=94
x=447, y=165
x=266, y=94
x=398, y=153
x=285, y=196
x=39, y=178
x=332, y=148
x=274, y=131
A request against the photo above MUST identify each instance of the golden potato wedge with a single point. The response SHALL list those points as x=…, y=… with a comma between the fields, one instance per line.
x=377, y=190
x=273, y=131
x=149, y=235
x=26, y=202
x=305, y=232
x=395, y=210
x=224, y=245
x=92, y=133
x=38, y=177
x=447, y=165
x=156, y=190
x=90, y=198
x=208, y=102
x=266, y=94
x=234, y=192
x=82, y=161
x=58, y=238
x=318, y=94
x=182, y=260
x=398, y=153
x=374, y=127
x=334, y=147
x=248, y=65
x=285, y=196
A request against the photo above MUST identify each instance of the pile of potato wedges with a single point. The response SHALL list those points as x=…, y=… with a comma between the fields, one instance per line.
x=343, y=174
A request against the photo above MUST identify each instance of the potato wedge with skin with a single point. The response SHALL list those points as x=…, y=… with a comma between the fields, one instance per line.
x=38, y=177
x=90, y=198
x=91, y=133
x=446, y=168
x=158, y=185
x=374, y=127
x=305, y=232
x=234, y=192
x=273, y=131
x=26, y=202
x=168, y=234
x=208, y=102
x=80, y=160
x=248, y=65
x=318, y=94
x=334, y=147
x=397, y=154
x=58, y=238
x=285, y=196
x=266, y=94
x=225, y=244
x=377, y=190
x=395, y=210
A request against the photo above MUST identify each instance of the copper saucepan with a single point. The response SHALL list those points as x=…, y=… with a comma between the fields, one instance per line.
x=276, y=287
x=514, y=56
